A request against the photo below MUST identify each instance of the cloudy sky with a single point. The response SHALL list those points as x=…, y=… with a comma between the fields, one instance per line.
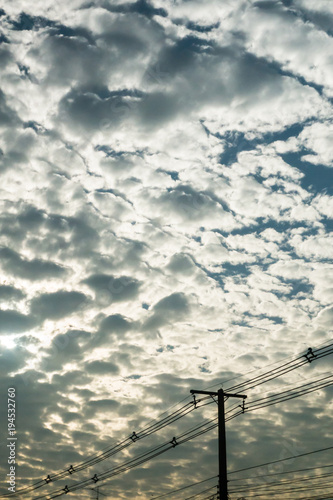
x=166, y=214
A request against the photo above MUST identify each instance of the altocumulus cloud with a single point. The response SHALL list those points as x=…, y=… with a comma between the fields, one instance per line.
x=166, y=215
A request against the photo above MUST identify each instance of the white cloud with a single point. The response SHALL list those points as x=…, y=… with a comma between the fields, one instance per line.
x=319, y=138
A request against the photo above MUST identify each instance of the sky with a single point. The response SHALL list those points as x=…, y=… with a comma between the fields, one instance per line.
x=166, y=214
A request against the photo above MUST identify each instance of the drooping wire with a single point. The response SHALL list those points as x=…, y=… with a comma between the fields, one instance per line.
x=291, y=358
x=251, y=487
x=290, y=394
x=320, y=497
x=281, y=473
x=134, y=462
x=283, y=369
x=150, y=429
x=95, y=459
x=200, y=493
x=285, y=395
x=184, y=488
x=282, y=460
x=186, y=436
x=271, y=492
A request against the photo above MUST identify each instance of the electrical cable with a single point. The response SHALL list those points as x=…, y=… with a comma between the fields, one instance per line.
x=200, y=493
x=282, y=460
x=283, y=369
x=281, y=473
x=288, y=490
x=95, y=459
x=134, y=462
x=184, y=488
x=183, y=438
x=292, y=358
x=312, y=354
x=290, y=394
x=186, y=436
x=266, y=485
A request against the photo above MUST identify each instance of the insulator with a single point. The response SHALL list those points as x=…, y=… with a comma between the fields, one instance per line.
x=134, y=437
x=174, y=442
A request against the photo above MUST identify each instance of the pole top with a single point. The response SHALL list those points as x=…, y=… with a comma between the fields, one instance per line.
x=209, y=393
x=227, y=394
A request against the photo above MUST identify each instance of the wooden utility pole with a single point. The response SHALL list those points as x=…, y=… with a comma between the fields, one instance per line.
x=223, y=478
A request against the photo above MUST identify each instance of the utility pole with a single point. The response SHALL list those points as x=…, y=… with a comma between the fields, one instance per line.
x=223, y=479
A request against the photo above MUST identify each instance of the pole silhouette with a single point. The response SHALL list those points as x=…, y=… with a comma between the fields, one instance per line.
x=223, y=475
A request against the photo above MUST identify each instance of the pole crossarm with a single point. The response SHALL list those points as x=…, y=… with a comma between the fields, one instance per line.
x=227, y=394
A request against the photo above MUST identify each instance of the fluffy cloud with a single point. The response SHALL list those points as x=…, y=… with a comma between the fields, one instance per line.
x=14, y=322
x=166, y=207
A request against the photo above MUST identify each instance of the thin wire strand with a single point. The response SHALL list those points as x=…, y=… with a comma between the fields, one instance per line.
x=184, y=488
x=282, y=459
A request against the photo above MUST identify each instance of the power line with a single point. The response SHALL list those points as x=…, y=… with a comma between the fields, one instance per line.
x=291, y=393
x=314, y=355
x=282, y=473
x=271, y=492
x=184, y=488
x=134, y=462
x=268, y=485
x=282, y=459
x=309, y=357
x=320, y=497
x=292, y=359
x=185, y=437
x=201, y=493
x=95, y=459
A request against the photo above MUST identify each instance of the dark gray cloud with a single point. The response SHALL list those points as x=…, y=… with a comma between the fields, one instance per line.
x=142, y=7
x=114, y=289
x=181, y=263
x=31, y=218
x=175, y=303
x=65, y=348
x=70, y=379
x=87, y=111
x=8, y=292
x=8, y=116
x=72, y=58
x=25, y=22
x=34, y=269
x=58, y=304
x=5, y=55
x=101, y=368
x=181, y=56
x=101, y=406
x=322, y=20
x=12, y=321
x=189, y=203
x=12, y=360
x=115, y=323
x=111, y=328
x=48, y=233
x=158, y=108
x=169, y=309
